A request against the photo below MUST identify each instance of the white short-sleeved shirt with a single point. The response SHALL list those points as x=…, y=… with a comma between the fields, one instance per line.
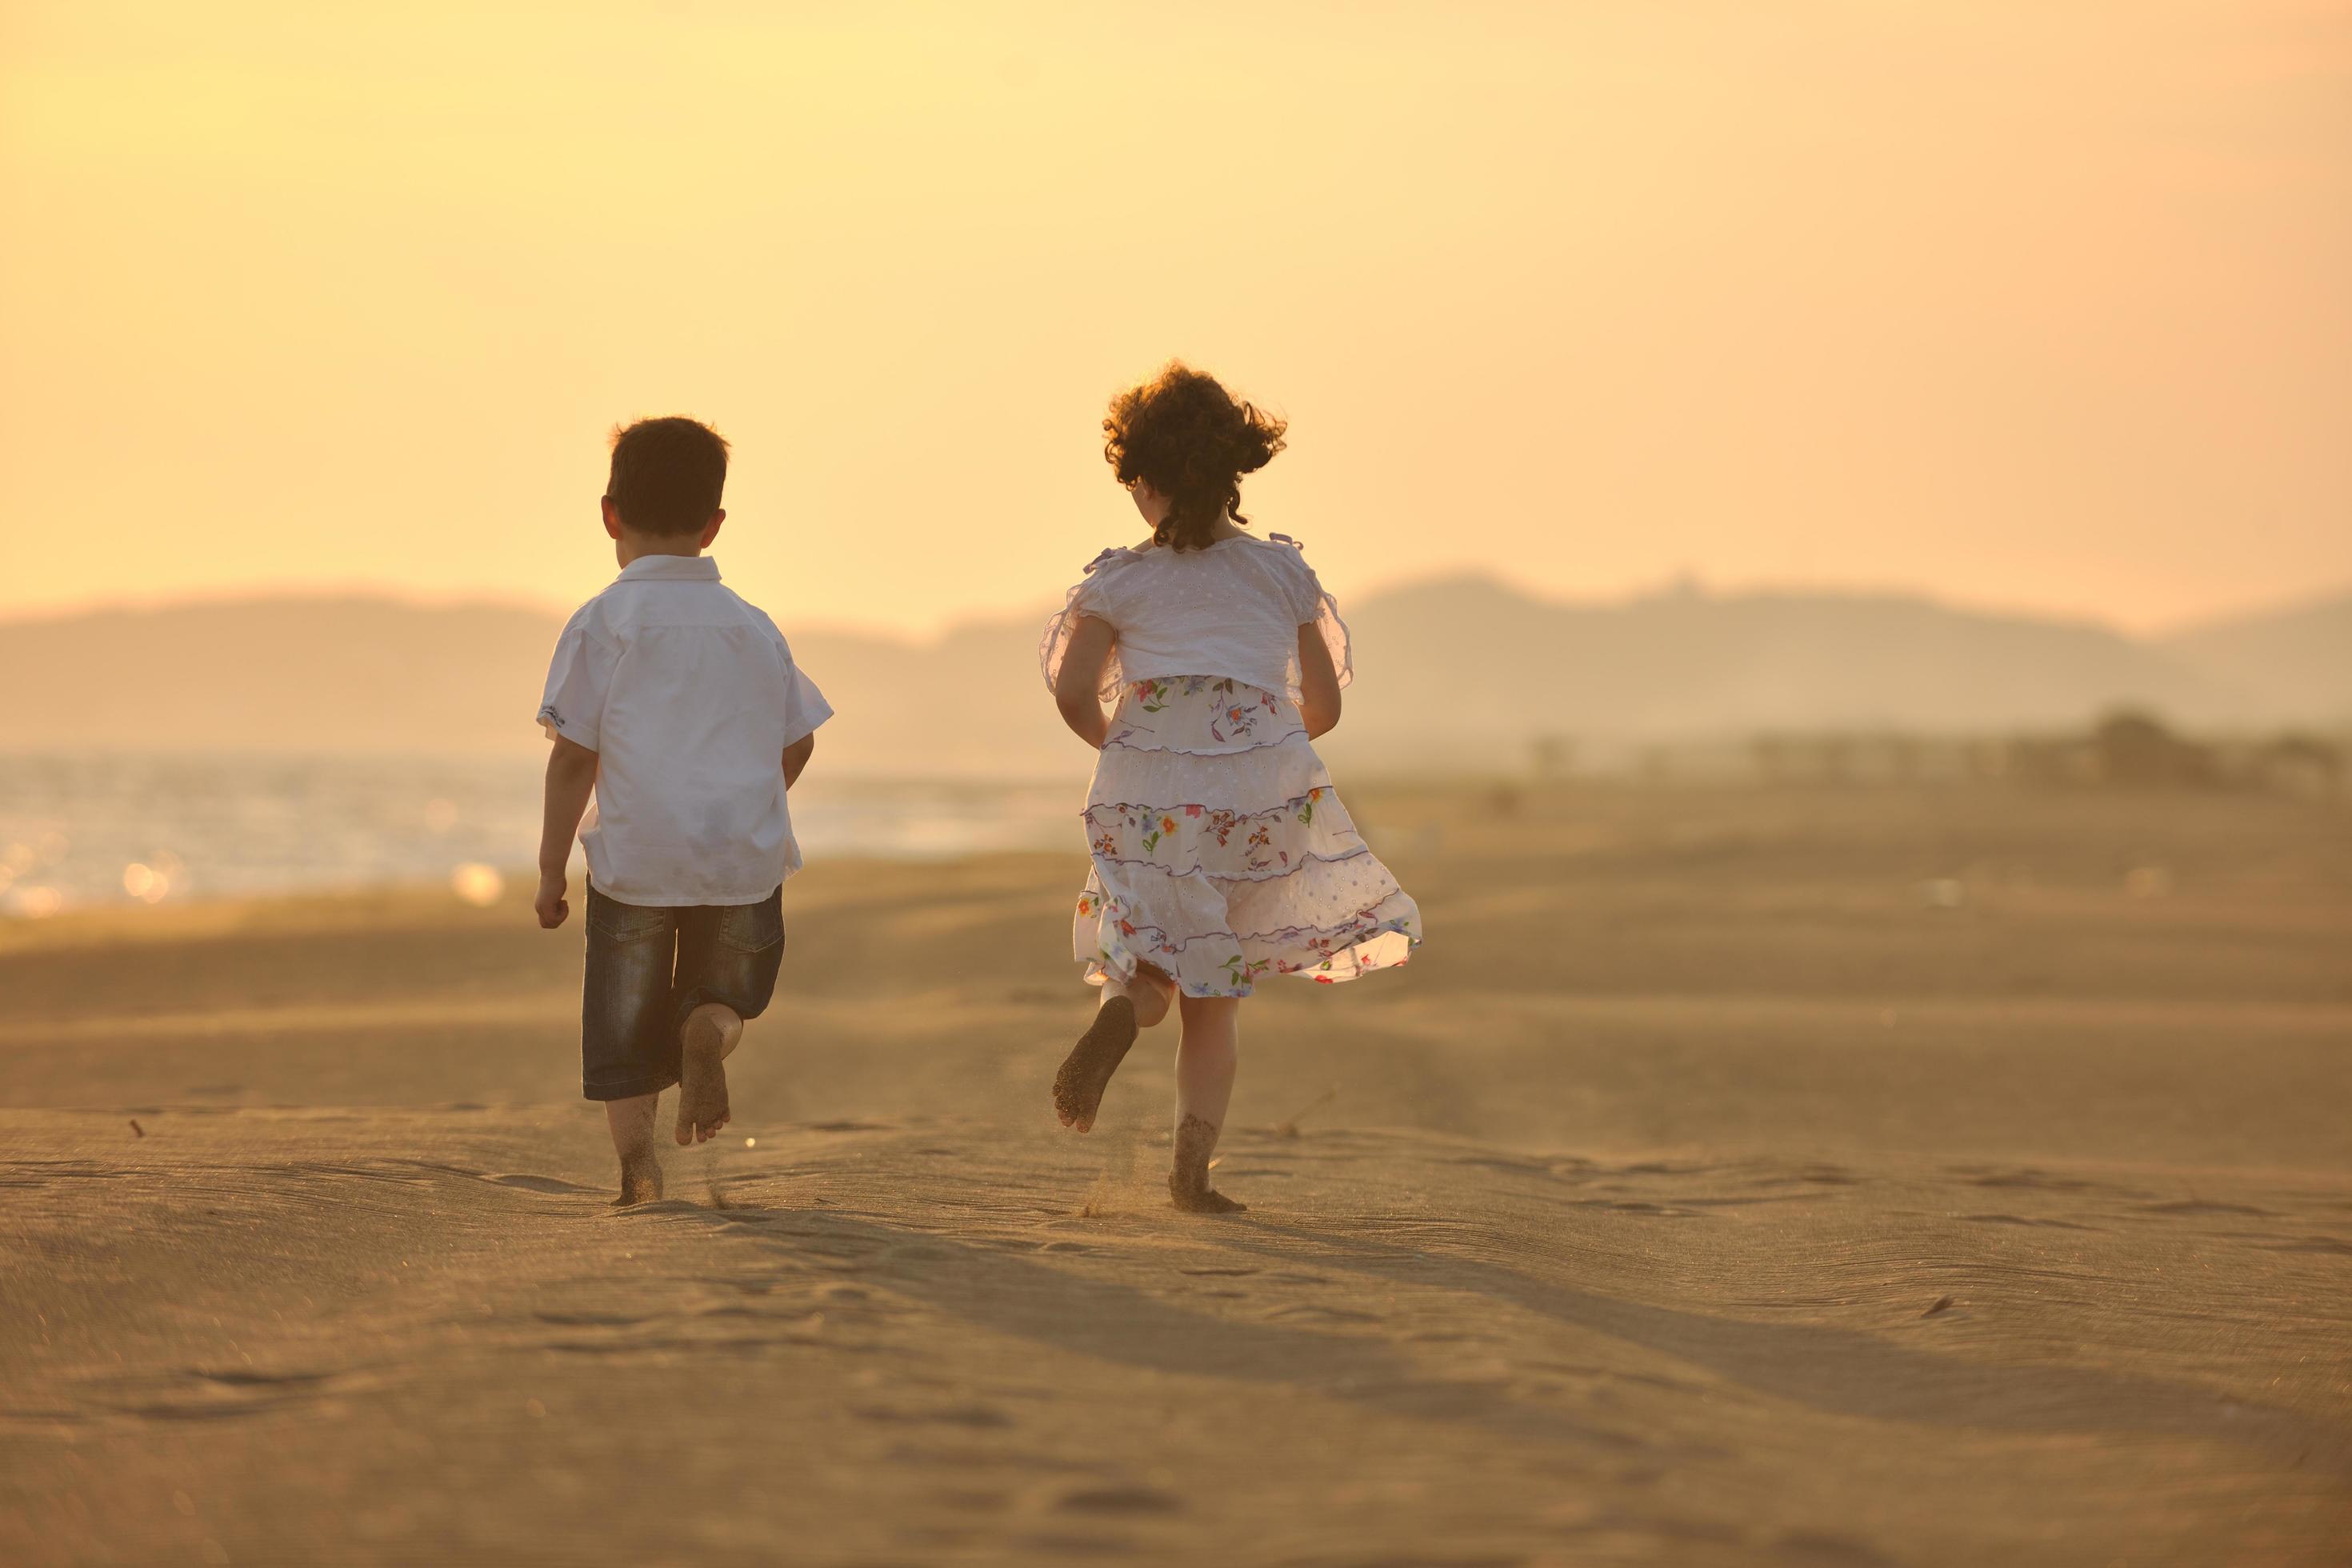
x=688, y=697
x=1232, y=609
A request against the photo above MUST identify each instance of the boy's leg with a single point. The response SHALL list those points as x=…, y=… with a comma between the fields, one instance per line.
x=1206, y=1059
x=628, y=1051
x=727, y=960
x=1127, y=1007
x=706, y=1040
x=632, y=1123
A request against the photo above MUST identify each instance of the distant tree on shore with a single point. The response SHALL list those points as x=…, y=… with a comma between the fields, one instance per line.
x=2134, y=748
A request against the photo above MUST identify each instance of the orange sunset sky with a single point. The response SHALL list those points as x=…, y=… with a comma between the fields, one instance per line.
x=2041, y=306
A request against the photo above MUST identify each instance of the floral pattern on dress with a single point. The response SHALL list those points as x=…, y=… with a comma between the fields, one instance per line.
x=1234, y=710
x=1197, y=837
x=1200, y=713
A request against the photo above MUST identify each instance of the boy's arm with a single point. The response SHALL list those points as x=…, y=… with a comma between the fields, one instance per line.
x=570, y=776
x=1077, y=684
x=796, y=758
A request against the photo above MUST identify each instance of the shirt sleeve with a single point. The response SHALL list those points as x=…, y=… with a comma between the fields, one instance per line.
x=578, y=677
x=805, y=706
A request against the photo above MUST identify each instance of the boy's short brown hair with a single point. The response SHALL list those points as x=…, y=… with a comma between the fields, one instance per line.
x=667, y=475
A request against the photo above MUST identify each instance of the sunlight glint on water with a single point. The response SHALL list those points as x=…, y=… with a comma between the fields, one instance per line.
x=132, y=830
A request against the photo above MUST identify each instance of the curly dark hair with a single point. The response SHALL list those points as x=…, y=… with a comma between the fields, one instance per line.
x=1189, y=438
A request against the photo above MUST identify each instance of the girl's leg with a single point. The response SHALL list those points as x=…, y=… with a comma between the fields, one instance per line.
x=1127, y=1006
x=1206, y=1059
x=1148, y=993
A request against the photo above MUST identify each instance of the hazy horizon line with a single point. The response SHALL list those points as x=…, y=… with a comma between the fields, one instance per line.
x=1686, y=584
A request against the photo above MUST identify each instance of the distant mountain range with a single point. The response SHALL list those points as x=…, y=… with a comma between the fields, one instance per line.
x=1464, y=672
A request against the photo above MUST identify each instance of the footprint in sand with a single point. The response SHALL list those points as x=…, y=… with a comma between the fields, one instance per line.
x=41, y=1172
x=1312, y=1313
x=1118, y=1500
x=1508, y=1166
x=200, y=1394
x=973, y=1415
x=2042, y=1181
x=350, y=1172
x=536, y=1184
x=250, y=1378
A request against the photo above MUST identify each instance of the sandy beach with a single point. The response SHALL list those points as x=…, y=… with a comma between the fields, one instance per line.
x=1807, y=1176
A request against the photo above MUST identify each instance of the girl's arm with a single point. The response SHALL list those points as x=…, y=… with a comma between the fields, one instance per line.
x=570, y=776
x=1078, y=683
x=1318, y=683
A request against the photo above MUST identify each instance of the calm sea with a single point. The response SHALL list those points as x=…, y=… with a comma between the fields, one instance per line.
x=81, y=831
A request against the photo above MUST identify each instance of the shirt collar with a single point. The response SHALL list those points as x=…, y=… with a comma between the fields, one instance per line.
x=671, y=569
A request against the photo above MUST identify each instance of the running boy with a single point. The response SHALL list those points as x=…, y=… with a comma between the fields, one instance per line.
x=679, y=706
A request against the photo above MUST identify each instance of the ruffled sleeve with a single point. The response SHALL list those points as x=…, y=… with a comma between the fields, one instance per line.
x=1310, y=605
x=1090, y=597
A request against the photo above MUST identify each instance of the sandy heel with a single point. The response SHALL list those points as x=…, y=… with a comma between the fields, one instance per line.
x=641, y=1179
x=702, y=1106
x=1188, y=1182
x=1086, y=1071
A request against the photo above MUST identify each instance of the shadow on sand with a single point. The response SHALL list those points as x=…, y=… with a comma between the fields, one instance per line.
x=1836, y=1371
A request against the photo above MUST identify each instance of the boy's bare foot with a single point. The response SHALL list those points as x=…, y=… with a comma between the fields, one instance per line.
x=1188, y=1183
x=632, y=1120
x=710, y=1032
x=641, y=1178
x=1086, y=1071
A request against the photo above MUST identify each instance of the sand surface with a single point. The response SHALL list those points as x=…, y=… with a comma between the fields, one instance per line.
x=1714, y=1189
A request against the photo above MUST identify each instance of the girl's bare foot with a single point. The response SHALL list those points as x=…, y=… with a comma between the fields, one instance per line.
x=1086, y=1071
x=710, y=1032
x=1188, y=1183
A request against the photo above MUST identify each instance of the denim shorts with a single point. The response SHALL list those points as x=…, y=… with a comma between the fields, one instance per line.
x=648, y=968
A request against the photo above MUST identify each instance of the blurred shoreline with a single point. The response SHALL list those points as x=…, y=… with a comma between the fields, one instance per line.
x=81, y=829
x=85, y=830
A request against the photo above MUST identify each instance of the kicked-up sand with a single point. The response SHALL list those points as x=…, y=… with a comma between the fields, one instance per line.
x=1878, y=1176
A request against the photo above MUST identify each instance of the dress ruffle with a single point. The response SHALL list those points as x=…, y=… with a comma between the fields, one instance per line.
x=1117, y=931
x=1233, y=842
x=1223, y=853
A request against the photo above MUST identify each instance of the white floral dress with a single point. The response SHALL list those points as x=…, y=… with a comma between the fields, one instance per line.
x=1221, y=850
